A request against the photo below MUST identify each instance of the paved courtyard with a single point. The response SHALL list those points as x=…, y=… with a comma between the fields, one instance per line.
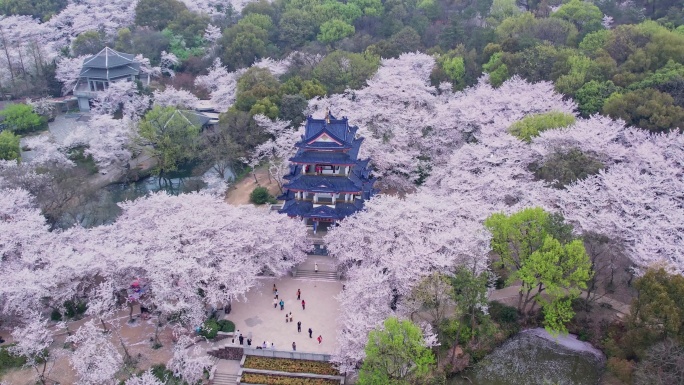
x=258, y=317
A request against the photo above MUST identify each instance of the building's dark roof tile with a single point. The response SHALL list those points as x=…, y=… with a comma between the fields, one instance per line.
x=307, y=210
x=324, y=184
x=111, y=73
x=108, y=58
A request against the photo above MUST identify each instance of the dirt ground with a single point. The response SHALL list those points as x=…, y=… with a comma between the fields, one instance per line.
x=238, y=193
x=136, y=337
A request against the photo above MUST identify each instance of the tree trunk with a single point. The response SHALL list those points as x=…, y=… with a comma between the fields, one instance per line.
x=104, y=327
x=3, y=40
x=127, y=356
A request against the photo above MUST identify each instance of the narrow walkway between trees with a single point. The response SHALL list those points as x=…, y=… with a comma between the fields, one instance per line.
x=510, y=294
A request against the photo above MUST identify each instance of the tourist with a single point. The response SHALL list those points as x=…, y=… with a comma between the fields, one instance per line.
x=249, y=342
x=291, y=317
x=303, y=305
x=299, y=326
x=263, y=346
x=287, y=318
x=241, y=339
x=316, y=267
x=274, y=288
x=276, y=293
x=294, y=346
x=282, y=305
x=320, y=339
x=310, y=332
x=275, y=302
x=299, y=294
x=272, y=346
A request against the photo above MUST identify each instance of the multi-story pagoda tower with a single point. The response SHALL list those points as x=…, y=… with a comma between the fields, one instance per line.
x=326, y=181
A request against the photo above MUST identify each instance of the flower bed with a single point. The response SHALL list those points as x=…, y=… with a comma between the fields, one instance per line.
x=292, y=366
x=252, y=378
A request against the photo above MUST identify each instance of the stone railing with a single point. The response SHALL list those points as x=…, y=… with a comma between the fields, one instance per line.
x=287, y=354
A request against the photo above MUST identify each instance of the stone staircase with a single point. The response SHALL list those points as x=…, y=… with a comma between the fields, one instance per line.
x=225, y=379
x=226, y=372
x=320, y=275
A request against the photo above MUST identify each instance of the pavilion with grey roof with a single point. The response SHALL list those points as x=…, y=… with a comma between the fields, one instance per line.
x=99, y=70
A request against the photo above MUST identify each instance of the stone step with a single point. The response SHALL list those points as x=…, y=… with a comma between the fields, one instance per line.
x=224, y=379
x=310, y=274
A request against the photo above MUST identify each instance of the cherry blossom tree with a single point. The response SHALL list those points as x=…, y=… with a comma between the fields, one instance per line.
x=69, y=71
x=493, y=178
x=42, y=106
x=212, y=34
x=276, y=67
x=92, y=15
x=277, y=149
x=26, y=47
x=221, y=84
x=147, y=378
x=33, y=342
x=392, y=113
x=188, y=364
x=95, y=358
x=175, y=98
x=215, y=8
x=388, y=248
x=108, y=140
x=47, y=152
x=412, y=128
x=219, y=249
x=642, y=207
x=121, y=95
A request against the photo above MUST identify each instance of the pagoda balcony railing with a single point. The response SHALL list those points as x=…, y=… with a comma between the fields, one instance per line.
x=321, y=201
x=322, y=174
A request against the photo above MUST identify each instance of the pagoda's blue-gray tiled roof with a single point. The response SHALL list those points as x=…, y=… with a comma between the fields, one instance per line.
x=108, y=58
x=111, y=73
x=324, y=184
x=342, y=148
x=305, y=209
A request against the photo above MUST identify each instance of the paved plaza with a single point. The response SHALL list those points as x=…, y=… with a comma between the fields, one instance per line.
x=265, y=323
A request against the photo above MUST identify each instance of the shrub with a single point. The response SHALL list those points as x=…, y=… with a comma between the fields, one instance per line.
x=565, y=167
x=8, y=361
x=165, y=375
x=621, y=368
x=55, y=315
x=503, y=313
x=210, y=329
x=74, y=309
x=252, y=378
x=532, y=125
x=292, y=366
x=226, y=326
x=9, y=146
x=260, y=195
x=20, y=119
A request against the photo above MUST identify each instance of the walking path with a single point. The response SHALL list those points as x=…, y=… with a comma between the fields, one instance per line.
x=257, y=316
x=238, y=193
x=511, y=293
